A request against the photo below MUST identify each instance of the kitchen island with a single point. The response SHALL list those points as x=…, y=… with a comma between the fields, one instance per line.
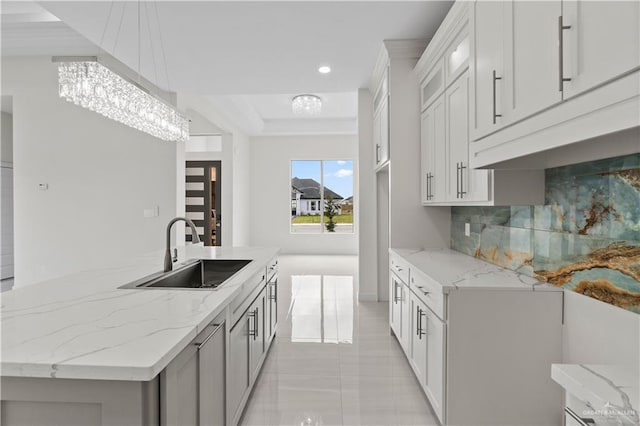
x=81, y=350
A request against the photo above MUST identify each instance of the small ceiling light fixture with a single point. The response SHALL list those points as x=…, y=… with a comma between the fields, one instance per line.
x=308, y=105
x=324, y=69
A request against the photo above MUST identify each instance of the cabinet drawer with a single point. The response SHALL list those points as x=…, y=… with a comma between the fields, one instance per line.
x=429, y=291
x=272, y=268
x=400, y=267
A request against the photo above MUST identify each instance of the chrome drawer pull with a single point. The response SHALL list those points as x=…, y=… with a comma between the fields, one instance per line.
x=426, y=293
x=204, y=342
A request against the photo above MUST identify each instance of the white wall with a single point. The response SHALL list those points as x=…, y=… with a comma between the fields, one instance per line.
x=101, y=176
x=270, y=185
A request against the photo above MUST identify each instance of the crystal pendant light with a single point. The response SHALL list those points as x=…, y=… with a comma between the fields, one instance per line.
x=89, y=84
x=308, y=105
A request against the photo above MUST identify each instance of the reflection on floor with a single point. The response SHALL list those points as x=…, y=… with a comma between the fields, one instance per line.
x=334, y=361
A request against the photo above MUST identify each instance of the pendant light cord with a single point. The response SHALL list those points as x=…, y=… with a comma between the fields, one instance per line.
x=164, y=56
x=104, y=30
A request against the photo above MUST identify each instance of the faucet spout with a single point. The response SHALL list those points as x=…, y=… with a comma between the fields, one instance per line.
x=195, y=239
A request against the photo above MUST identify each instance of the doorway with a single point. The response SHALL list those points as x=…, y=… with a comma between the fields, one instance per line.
x=203, y=182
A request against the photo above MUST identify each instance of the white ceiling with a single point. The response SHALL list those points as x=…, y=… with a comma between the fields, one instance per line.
x=250, y=57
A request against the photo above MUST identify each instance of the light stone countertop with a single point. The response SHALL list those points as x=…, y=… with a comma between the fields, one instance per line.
x=455, y=271
x=84, y=327
x=611, y=391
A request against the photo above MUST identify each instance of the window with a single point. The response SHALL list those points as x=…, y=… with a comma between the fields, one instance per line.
x=321, y=196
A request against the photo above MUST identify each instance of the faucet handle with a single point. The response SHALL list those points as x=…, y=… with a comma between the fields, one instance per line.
x=175, y=255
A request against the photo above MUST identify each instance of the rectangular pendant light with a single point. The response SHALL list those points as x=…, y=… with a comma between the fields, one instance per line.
x=87, y=83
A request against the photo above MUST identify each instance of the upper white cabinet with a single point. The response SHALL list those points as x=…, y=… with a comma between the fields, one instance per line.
x=381, y=122
x=488, y=62
x=532, y=67
x=601, y=41
x=447, y=177
x=548, y=74
x=432, y=128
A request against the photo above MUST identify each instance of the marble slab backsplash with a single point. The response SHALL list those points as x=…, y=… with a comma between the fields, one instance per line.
x=586, y=237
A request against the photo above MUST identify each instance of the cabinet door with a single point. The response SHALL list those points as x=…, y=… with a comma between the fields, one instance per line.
x=602, y=43
x=376, y=137
x=433, y=152
x=211, y=369
x=256, y=333
x=405, y=339
x=395, y=304
x=272, y=305
x=238, y=369
x=384, y=132
x=532, y=42
x=464, y=183
x=179, y=389
x=488, y=68
x=434, y=384
x=418, y=339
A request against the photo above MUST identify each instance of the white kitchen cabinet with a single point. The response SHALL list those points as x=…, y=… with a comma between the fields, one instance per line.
x=561, y=81
x=418, y=339
x=381, y=122
x=192, y=387
x=463, y=183
x=447, y=177
x=532, y=67
x=433, y=147
x=395, y=305
x=487, y=104
x=601, y=42
x=472, y=326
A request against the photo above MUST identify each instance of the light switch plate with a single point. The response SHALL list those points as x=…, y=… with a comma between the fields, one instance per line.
x=467, y=229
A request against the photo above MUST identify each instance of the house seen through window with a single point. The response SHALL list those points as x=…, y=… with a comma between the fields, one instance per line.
x=321, y=196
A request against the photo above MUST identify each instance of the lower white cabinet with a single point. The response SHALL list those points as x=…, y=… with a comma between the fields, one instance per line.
x=481, y=353
x=192, y=387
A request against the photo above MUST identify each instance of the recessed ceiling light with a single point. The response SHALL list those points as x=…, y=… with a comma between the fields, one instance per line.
x=324, y=69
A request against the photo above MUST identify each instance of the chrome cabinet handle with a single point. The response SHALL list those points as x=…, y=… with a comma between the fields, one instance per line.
x=253, y=333
x=457, y=180
x=273, y=295
x=562, y=78
x=199, y=345
x=396, y=299
x=582, y=421
x=378, y=153
x=255, y=319
x=495, y=78
x=419, y=314
x=429, y=186
x=462, y=191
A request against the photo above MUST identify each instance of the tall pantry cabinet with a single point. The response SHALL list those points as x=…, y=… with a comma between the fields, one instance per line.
x=401, y=219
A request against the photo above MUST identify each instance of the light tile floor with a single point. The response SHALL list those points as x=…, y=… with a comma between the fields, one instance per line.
x=334, y=361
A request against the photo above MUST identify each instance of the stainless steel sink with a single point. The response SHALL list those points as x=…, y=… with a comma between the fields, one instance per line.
x=193, y=274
